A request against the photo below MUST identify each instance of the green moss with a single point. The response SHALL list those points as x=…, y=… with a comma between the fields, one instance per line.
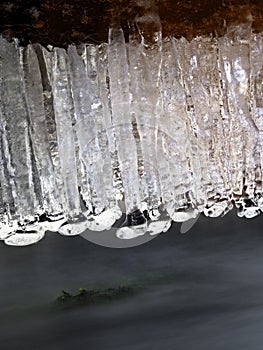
x=89, y=297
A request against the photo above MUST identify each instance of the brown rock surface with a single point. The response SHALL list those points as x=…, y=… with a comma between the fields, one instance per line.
x=62, y=22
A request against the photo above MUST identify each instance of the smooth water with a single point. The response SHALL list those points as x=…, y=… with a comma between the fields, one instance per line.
x=202, y=290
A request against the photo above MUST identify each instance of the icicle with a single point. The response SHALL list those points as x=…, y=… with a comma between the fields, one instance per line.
x=169, y=127
x=15, y=124
x=38, y=133
x=145, y=63
x=174, y=135
x=91, y=134
x=85, y=128
x=45, y=66
x=17, y=150
x=115, y=192
x=63, y=108
x=122, y=123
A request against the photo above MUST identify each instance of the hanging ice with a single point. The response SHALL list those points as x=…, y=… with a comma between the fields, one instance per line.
x=161, y=129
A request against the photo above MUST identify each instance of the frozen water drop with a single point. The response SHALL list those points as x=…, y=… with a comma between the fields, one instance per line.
x=184, y=215
x=24, y=238
x=131, y=232
x=156, y=227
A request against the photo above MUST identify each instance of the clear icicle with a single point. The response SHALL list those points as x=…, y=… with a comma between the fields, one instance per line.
x=102, y=162
x=122, y=123
x=86, y=130
x=7, y=210
x=63, y=108
x=17, y=152
x=174, y=134
x=45, y=66
x=116, y=191
x=16, y=131
x=144, y=63
x=38, y=133
x=191, y=145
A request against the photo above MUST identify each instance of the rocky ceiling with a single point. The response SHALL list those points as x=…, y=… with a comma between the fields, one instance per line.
x=61, y=22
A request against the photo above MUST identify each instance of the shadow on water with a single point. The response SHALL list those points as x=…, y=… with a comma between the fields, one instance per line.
x=202, y=290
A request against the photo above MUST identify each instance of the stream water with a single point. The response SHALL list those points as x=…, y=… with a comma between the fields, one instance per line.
x=202, y=290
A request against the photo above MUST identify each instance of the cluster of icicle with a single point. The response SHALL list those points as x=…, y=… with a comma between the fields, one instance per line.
x=168, y=127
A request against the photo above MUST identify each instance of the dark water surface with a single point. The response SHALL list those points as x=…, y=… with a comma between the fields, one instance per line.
x=202, y=290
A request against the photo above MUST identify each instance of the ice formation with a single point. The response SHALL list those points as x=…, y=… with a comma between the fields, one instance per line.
x=169, y=127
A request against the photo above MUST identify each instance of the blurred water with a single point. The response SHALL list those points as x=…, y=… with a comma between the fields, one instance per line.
x=202, y=290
